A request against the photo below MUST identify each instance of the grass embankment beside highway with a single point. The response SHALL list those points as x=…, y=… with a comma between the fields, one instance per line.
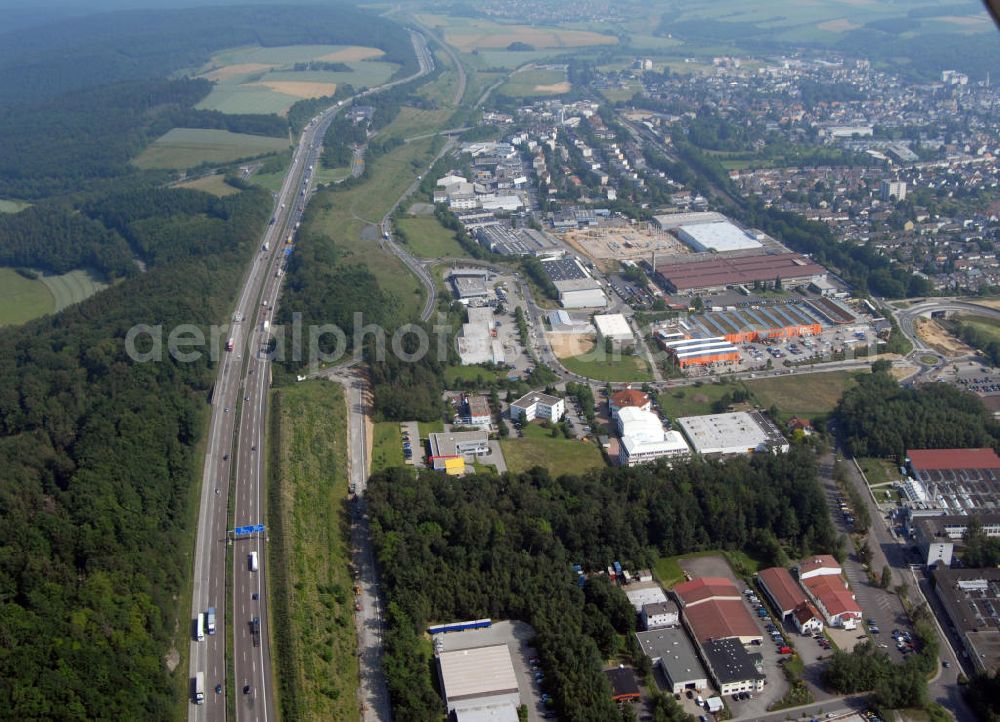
x=310, y=584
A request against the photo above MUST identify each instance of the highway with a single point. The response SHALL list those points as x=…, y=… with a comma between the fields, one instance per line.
x=236, y=429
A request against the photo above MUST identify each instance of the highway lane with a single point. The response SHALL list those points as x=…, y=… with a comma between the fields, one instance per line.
x=248, y=367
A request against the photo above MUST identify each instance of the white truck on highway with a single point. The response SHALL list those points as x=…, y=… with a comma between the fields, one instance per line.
x=199, y=688
x=252, y=561
x=199, y=627
x=266, y=246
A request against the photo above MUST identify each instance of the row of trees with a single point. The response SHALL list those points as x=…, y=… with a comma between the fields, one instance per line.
x=503, y=547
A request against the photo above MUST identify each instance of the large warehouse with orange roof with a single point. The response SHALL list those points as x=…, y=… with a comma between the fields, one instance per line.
x=821, y=578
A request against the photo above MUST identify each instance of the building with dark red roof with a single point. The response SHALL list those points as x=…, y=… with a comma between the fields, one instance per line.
x=781, y=590
x=629, y=397
x=952, y=459
x=704, y=589
x=719, y=272
x=712, y=608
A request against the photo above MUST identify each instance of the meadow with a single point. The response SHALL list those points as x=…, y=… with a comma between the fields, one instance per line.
x=214, y=184
x=467, y=34
x=535, y=82
x=182, y=148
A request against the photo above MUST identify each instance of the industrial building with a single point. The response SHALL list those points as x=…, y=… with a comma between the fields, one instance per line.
x=469, y=283
x=807, y=618
x=821, y=577
x=673, y=221
x=561, y=321
x=688, y=352
x=705, y=275
x=575, y=286
x=643, y=438
x=509, y=241
x=672, y=650
x=938, y=536
x=780, y=590
x=476, y=410
x=479, y=684
x=733, y=668
x=477, y=342
x=732, y=434
x=719, y=236
x=660, y=614
x=971, y=600
x=952, y=481
x=713, y=608
x=613, y=326
x=451, y=449
x=778, y=321
x=642, y=593
x=536, y=405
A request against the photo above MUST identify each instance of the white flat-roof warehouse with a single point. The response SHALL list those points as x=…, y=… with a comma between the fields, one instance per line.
x=613, y=326
x=733, y=433
x=480, y=683
x=718, y=236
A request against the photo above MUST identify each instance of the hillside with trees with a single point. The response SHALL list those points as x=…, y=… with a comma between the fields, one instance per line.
x=97, y=460
x=878, y=417
x=503, y=547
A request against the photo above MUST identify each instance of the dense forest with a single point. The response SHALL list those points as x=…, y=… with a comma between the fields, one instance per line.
x=148, y=44
x=57, y=240
x=878, y=417
x=96, y=467
x=502, y=547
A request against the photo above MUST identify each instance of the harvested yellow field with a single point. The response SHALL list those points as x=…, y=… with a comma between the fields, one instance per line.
x=232, y=71
x=839, y=25
x=351, y=53
x=298, y=88
x=565, y=345
x=554, y=88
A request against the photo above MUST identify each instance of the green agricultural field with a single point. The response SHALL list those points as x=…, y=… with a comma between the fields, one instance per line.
x=214, y=184
x=261, y=80
x=387, y=446
x=73, y=287
x=596, y=366
x=559, y=456
x=535, y=82
x=22, y=299
x=182, y=148
x=9, y=206
x=312, y=604
x=427, y=238
x=508, y=58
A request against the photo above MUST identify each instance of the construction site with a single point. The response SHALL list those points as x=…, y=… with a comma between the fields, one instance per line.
x=618, y=240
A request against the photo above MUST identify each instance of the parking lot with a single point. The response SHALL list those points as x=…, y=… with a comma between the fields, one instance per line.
x=410, y=433
x=516, y=636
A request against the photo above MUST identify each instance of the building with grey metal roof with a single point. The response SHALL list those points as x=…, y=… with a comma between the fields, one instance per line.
x=673, y=650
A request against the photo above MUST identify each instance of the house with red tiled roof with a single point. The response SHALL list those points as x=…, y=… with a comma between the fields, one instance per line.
x=821, y=579
x=807, y=618
x=629, y=397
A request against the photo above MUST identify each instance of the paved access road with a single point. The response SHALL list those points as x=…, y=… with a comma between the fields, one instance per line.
x=241, y=391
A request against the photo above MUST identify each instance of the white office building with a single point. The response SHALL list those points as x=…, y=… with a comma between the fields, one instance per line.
x=536, y=405
x=643, y=438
